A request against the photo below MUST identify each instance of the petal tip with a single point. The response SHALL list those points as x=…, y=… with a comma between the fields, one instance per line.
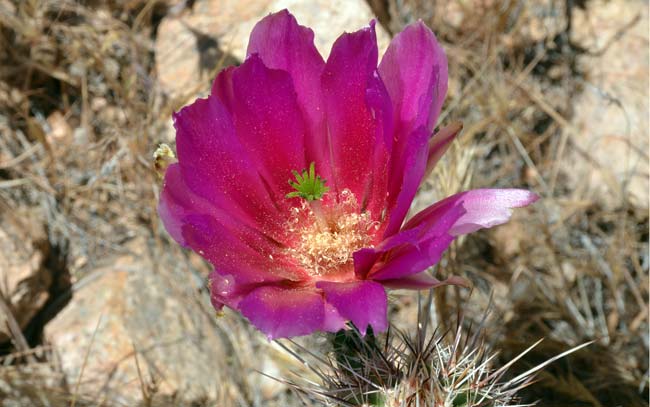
x=533, y=198
x=523, y=197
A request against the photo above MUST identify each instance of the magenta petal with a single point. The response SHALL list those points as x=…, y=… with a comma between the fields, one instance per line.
x=414, y=69
x=222, y=87
x=484, y=208
x=224, y=290
x=231, y=254
x=177, y=202
x=212, y=233
x=422, y=246
x=216, y=167
x=412, y=259
x=422, y=281
x=440, y=142
x=282, y=43
x=362, y=302
x=269, y=123
x=407, y=173
x=284, y=313
x=182, y=211
x=364, y=259
x=333, y=321
x=349, y=71
x=376, y=194
x=440, y=223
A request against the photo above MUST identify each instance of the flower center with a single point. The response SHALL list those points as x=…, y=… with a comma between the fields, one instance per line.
x=328, y=235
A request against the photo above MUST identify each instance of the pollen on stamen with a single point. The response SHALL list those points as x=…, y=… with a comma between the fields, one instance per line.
x=325, y=241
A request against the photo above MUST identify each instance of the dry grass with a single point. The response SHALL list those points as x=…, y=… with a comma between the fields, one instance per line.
x=81, y=115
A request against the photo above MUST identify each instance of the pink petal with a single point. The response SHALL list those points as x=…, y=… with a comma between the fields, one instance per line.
x=333, y=321
x=362, y=302
x=440, y=142
x=216, y=167
x=364, y=259
x=414, y=69
x=422, y=281
x=245, y=255
x=406, y=175
x=419, y=247
x=269, y=124
x=484, y=208
x=284, y=312
x=438, y=225
x=353, y=131
x=216, y=235
x=177, y=202
x=224, y=290
x=222, y=87
x=377, y=100
x=282, y=43
x=412, y=259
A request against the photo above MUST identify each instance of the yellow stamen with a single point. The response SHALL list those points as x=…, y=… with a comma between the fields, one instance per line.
x=327, y=240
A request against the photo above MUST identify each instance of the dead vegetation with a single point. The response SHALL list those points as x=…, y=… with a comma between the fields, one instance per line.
x=81, y=114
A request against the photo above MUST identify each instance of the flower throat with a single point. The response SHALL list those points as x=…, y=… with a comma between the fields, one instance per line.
x=326, y=234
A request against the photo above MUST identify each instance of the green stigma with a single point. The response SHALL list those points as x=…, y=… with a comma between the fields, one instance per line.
x=308, y=185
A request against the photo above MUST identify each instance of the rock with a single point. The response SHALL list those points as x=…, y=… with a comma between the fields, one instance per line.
x=192, y=45
x=24, y=277
x=128, y=318
x=149, y=333
x=611, y=116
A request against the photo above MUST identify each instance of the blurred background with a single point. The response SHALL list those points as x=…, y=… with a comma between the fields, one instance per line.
x=99, y=307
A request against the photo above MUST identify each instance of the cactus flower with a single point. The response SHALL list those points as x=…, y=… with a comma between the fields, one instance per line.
x=295, y=176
